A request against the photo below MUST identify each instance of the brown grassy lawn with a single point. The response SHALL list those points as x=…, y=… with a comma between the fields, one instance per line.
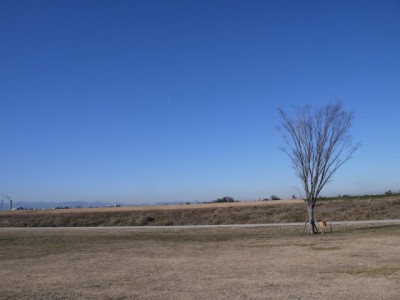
x=223, y=263
x=226, y=213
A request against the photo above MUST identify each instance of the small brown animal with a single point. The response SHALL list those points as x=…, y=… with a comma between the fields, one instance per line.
x=322, y=226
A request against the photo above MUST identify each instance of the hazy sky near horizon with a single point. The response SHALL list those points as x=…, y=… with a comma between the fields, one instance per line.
x=152, y=101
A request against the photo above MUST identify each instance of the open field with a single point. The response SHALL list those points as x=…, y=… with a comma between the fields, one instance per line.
x=169, y=207
x=257, y=212
x=361, y=262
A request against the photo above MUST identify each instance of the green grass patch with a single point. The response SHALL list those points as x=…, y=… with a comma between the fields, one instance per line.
x=386, y=271
x=317, y=248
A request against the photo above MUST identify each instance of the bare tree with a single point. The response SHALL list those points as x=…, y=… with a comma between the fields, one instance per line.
x=318, y=142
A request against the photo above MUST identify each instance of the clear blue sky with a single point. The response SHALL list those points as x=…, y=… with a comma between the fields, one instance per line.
x=151, y=101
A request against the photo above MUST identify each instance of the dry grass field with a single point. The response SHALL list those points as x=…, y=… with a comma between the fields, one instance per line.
x=256, y=212
x=220, y=263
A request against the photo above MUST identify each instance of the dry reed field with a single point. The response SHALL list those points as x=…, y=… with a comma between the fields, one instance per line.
x=356, y=262
x=256, y=212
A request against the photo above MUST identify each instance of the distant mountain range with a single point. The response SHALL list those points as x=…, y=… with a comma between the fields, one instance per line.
x=70, y=204
x=78, y=204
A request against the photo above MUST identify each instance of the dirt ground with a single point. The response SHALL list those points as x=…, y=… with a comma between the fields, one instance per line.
x=221, y=263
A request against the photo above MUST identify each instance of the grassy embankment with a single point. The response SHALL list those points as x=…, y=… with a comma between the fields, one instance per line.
x=232, y=213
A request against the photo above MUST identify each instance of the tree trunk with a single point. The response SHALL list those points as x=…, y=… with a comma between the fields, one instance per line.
x=312, y=227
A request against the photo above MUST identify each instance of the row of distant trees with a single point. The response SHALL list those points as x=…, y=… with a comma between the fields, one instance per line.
x=224, y=199
x=275, y=197
x=390, y=192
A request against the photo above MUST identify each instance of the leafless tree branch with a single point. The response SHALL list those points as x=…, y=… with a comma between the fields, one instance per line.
x=318, y=142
